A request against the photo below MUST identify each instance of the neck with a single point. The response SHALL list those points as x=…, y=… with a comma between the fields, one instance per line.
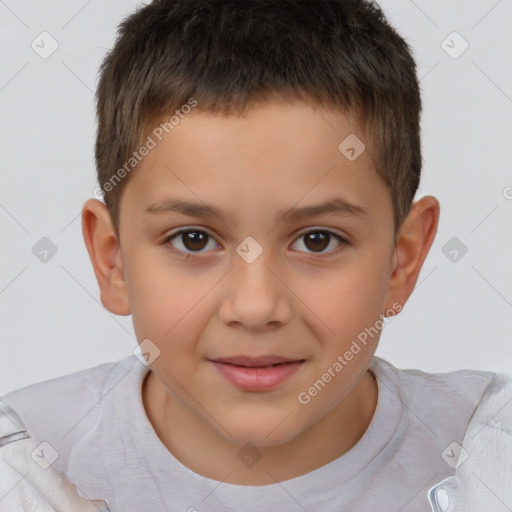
x=204, y=451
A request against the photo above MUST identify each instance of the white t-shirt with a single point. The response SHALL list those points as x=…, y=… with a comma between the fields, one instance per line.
x=94, y=422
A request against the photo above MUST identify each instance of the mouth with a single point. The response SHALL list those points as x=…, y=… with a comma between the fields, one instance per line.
x=258, y=373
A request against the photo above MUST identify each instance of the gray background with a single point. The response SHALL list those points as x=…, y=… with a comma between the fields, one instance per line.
x=51, y=320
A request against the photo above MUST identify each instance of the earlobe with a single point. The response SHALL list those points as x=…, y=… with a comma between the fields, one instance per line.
x=414, y=240
x=105, y=253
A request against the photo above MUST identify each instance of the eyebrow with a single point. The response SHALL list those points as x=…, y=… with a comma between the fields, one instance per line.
x=335, y=206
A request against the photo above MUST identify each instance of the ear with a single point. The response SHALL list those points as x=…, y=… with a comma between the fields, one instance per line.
x=105, y=253
x=414, y=240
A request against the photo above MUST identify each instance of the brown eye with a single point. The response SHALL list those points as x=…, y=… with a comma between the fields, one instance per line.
x=191, y=240
x=318, y=241
x=194, y=240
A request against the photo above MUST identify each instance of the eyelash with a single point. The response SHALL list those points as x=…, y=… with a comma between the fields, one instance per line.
x=189, y=255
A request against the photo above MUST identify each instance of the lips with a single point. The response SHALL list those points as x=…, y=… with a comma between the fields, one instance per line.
x=257, y=373
x=251, y=362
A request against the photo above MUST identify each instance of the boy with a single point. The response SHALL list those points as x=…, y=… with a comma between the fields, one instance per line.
x=233, y=137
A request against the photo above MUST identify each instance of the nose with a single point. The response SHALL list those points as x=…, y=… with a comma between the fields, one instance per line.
x=255, y=295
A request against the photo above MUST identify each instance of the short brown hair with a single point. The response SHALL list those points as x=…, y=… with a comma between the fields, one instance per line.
x=229, y=54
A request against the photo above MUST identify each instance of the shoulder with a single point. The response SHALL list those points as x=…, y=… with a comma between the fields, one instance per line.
x=485, y=458
x=28, y=483
x=64, y=410
x=52, y=401
x=465, y=384
x=495, y=408
x=489, y=435
x=446, y=400
x=87, y=381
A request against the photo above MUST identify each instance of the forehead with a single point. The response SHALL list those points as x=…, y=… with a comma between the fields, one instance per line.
x=276, y=156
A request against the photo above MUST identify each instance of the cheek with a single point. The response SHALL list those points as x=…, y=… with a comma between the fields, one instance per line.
x=164, y=300
x=347, y=300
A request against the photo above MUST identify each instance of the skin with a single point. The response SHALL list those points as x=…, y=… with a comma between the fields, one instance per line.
x=296, y=299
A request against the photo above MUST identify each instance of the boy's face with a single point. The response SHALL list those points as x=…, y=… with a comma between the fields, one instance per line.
x=210, y=295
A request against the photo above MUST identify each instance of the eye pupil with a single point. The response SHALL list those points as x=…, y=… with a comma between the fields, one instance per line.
x=196, y=237
x=320, y=240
